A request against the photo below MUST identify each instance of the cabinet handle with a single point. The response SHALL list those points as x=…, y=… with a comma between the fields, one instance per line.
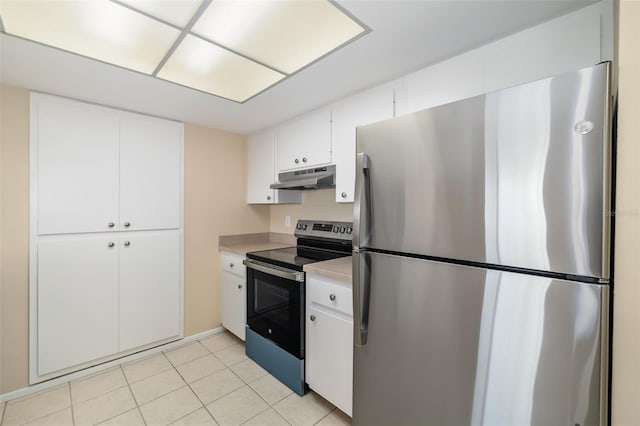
x=312, y=317
x=231, y=265
x=296, y=161
x=111, y=244
x=268, y=197
x=304, y=159
x=332, y=297
x=127, y=224
x=344, y=195
x=127, y=243
x=111, y=224
x=239, y=286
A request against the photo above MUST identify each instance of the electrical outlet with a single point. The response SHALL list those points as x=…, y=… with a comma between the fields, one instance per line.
x=287, y=221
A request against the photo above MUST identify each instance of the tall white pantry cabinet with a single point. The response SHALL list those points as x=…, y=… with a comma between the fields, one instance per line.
x=106, y=224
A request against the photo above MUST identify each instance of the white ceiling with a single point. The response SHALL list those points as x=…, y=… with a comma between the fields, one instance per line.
x=406, y=36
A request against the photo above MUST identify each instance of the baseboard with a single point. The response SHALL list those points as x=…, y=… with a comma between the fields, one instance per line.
x=96, y=369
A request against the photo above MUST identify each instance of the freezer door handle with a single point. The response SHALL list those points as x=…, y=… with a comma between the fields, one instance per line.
x=361, y=291
x=361, y=210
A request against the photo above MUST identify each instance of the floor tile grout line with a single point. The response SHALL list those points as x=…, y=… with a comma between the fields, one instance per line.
x=134, y=395
x=256, y=391
x=326, y=415
x=251, y=418
x=281, y=414
x=45, y=415
x=198, y=398
x=187, y=362
x=189, y=413
x=73, y=416
x=119, y=414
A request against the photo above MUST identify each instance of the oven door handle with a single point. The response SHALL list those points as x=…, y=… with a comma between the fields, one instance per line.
x=275, y=270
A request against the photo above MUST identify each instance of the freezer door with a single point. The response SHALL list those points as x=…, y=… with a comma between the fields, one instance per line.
x=518, y=177
x=455, y=345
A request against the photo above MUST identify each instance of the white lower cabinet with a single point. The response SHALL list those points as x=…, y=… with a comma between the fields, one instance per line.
x=77, y=301
x=101, y=297
x=150, y=292
x=329, y=341
x=233, y=294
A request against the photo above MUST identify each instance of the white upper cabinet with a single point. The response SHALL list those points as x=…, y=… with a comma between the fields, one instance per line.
x=100, y=169
x=150, y=172
x=261, y=172
x=304, y=142
x=77, y=156
x=260, y=168
x=444, y=82
x=368, y=107
x=566, y=44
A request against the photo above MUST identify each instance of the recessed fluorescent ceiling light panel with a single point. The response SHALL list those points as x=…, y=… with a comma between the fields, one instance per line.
x=234, y=49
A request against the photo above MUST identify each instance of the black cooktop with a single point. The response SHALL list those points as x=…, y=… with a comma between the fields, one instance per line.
x=297, y=257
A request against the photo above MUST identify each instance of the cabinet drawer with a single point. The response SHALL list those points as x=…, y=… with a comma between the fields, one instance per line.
x=329, y=294
x=233, y=264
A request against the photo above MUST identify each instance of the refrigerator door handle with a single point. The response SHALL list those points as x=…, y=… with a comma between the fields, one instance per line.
x=361, y=210
x=361, y=290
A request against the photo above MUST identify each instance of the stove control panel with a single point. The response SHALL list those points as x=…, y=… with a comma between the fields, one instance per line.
x=324, y=229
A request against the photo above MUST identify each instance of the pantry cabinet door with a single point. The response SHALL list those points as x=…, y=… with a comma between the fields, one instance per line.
x=150, y=294
x=150, y=173
x=76, y=158
x=77, y=300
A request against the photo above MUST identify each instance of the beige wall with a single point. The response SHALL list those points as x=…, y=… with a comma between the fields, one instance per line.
x=626, y=313
x=14, y=238
x=215, y=203
x=318, y=204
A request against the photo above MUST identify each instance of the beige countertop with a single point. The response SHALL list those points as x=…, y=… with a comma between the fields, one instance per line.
x=337, y=269
x=243, y=243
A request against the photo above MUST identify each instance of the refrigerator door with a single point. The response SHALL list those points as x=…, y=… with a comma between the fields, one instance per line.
x=518, y=177
x=456, y=345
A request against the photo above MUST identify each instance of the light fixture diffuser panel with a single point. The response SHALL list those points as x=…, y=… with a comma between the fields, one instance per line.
x=176, y=12
x=285, y=35
x=204, y=66
x=98, y=29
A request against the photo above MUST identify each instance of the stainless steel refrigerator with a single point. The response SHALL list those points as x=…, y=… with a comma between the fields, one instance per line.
x=481, y=259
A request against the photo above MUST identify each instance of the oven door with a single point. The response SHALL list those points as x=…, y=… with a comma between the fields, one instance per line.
x=275, y=305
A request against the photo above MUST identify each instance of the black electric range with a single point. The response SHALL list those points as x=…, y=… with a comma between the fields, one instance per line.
x=276, y=297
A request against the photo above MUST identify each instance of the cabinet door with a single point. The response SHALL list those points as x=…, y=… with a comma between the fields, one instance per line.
x=307, y=139
x=261, y=173
x=447, y=81
x=329, y=357
x=233, y=303
x=369, y=107
x=77, y=300
x=150, y=172
x=77, y=166
x=260, y=164
x=150, y=288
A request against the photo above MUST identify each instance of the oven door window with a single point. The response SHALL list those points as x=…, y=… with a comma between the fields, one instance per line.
x=275, y=310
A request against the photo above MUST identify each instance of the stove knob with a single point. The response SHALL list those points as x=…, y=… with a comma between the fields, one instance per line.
x=304, y=227
x=335, y=229
x=348, y=230
x=342, y=229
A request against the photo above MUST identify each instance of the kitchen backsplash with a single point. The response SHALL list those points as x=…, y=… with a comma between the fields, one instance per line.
x=316, y=205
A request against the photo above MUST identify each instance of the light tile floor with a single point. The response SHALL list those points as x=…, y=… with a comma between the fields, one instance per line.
x=209, y=382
